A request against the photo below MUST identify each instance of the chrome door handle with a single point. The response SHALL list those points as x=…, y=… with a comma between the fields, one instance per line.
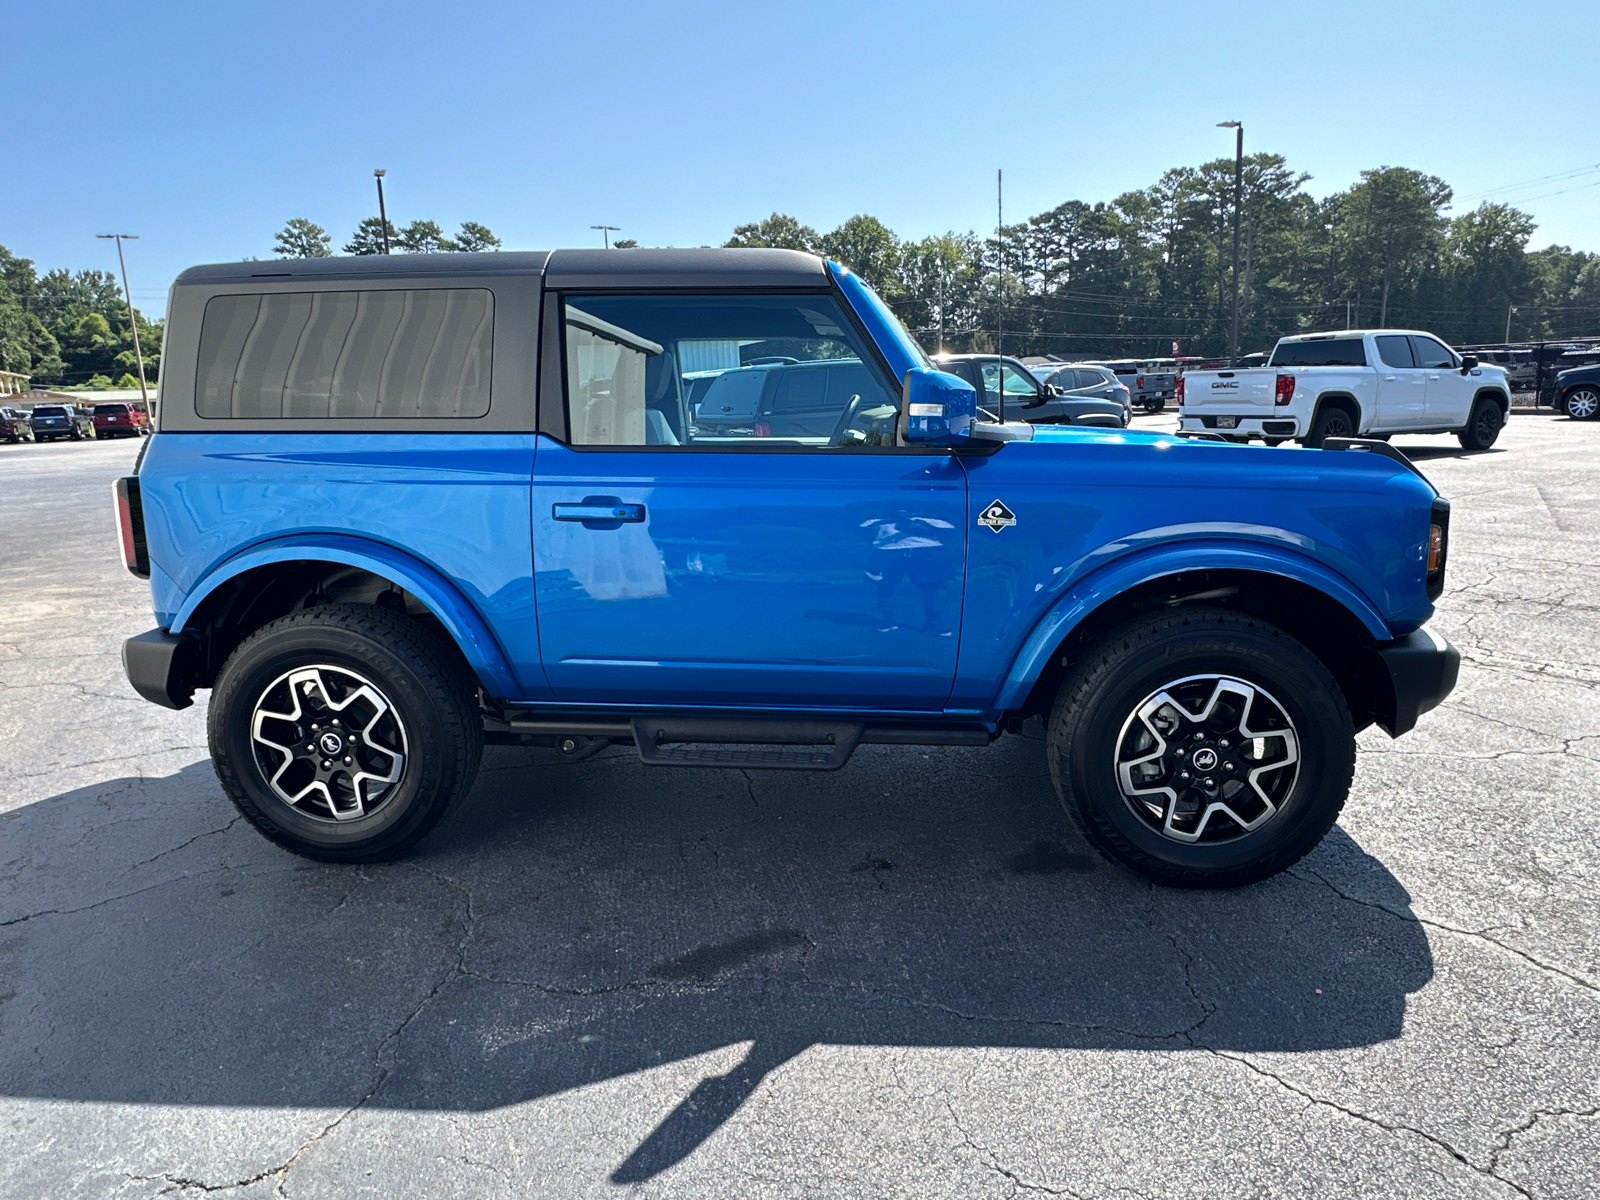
x=598, y=512
x=1389, y=378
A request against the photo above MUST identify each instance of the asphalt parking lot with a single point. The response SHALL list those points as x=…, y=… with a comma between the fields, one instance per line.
x=907, y=979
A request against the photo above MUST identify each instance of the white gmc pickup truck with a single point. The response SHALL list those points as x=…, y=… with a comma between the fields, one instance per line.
x=1355, y=383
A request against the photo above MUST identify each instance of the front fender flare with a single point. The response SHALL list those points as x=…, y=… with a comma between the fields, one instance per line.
x=442, y=598
x=1093, y=590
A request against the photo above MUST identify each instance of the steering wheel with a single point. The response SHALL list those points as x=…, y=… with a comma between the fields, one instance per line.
x=846, y=420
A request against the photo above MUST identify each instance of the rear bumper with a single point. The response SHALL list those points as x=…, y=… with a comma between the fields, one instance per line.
x=1270, y=425
x=159, y=667
x=1420, y=670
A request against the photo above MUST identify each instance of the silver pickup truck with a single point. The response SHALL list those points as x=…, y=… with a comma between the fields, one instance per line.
x=1354, y=383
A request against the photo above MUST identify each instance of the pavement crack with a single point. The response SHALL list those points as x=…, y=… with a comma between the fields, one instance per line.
x=992, y=1161
x=1368, y=1118
x=1478, y=934
x=181, y=845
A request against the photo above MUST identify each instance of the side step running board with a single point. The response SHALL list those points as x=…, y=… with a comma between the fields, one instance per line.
x=774, y=745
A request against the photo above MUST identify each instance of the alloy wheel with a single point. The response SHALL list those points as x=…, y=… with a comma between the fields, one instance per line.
x=1583, y=404
x=1207, y=758
x=329, y=742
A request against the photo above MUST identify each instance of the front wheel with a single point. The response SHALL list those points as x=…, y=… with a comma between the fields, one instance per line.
x=1201, y=748
x=1582, y=404
x=1483, y=426
x=345, y=732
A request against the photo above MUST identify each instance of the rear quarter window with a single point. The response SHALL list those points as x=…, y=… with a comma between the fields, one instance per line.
x=392, y=353
x=1334, y=352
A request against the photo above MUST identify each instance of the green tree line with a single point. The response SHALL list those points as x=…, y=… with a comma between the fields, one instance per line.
x=301, y=238
x=1132, y=275
x=71, y=329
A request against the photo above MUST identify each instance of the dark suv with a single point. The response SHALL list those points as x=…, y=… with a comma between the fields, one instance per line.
x=14, y=426
x=52, y=421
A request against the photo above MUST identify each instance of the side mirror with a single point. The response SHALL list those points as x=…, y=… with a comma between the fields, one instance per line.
x=936, y=409
x=1468, y=361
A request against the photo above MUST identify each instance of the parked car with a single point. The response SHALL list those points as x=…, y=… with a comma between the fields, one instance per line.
x=1520, y=366
x=1150, y=388
x=375, y=570
x=14, y=425
x=52, y=421
x=1085, y=380
x=1026, y=398
x=1578, y=389
x=118, y=418
x=1358, y=383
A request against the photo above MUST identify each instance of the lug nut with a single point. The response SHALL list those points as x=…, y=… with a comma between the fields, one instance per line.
x=1223, y=742
x=1228, y=766
x=336, y=721
x=1210, y=783
x=1183, y=774
x=326, y=764
x=347, y=762
x=568, y=745
x=1179, y=751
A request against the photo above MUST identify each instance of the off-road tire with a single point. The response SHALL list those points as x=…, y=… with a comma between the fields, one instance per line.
x=1582, y=404
x=430, y=688
x=1155, y=406
x=1483, y=426
x=1330, y=422
x=1132, y=662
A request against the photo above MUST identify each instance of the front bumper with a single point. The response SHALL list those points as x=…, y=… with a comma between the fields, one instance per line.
x=1420, y=670
x=160, y=667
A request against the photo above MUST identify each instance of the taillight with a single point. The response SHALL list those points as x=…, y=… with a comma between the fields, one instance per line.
x=1138, y=381
x=1438, y=551
x=1285, y=390
x=130, y=526
x=1177, y=389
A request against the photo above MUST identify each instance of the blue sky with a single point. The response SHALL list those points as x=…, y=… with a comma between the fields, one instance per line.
x=203, y=127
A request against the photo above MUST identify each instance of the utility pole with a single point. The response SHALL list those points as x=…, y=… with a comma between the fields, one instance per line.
x=1238, y=201
x=383, y=216
x=1511, y=308
x=133, y=321
x=941, y=303
x=606, y=231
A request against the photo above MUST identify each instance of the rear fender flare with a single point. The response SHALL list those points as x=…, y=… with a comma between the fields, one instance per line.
x=1110, y=581
x=471, y=634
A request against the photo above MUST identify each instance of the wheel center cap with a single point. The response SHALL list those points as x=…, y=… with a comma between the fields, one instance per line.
x=332, y=743
x=1205, y=759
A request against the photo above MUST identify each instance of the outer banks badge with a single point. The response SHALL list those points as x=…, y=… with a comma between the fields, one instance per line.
x=997, y=516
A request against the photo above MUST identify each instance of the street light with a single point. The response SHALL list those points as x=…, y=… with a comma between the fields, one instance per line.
x=606, y=231
x=1509, y=310
x=1238, y=199
x=383, y=216
x=133, y=322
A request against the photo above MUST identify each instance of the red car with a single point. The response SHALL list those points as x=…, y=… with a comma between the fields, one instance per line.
x=118, y=419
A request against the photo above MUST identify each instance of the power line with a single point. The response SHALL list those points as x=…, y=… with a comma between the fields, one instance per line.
x=1512, y=187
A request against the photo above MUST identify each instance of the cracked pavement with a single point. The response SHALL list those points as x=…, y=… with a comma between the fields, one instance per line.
x=909, y=978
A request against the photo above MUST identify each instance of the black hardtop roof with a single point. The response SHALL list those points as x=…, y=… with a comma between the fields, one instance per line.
x=706, y=267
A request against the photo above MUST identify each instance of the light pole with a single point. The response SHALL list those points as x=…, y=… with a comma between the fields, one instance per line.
x=1329, y=228
x=133, y=321
x=1511, y=308
x=1238, y=200
x=606, y=231
x=383, y=216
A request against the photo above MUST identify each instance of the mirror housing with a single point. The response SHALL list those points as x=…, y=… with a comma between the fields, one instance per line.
x=937, y=409
x=1468, y=361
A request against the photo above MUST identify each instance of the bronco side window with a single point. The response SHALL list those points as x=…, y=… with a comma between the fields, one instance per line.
x=416, y=352
x=722, y=369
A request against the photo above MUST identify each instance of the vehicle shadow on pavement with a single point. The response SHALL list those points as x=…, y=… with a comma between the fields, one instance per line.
x=582, y=922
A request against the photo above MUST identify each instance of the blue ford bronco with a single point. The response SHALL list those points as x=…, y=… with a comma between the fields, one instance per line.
x=719, y=505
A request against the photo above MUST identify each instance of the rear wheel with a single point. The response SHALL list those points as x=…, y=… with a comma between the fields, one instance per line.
x=1201, y=748
x=1330, y=422
x=1155, y=406
x=1483, y=426
x=1582, y=404
x=345, y=732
